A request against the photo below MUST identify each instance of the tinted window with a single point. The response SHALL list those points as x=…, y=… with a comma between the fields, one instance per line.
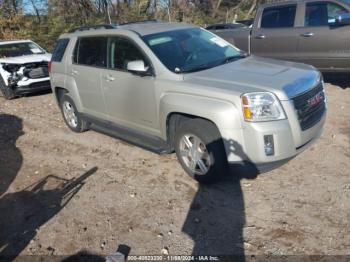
x=278, y=17
x=91, y=51
x=59, y=50
x=322, y=13
x=123, y=51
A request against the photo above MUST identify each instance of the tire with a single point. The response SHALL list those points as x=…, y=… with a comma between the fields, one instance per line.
x=71, y=115
x=207, y=163
x=7, y=92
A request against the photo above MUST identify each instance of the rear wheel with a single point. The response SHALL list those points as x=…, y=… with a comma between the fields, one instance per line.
x=71, y=115
x=200, y=150
x=6, y=91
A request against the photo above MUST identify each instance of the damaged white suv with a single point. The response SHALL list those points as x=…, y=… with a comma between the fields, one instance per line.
x=23, y=68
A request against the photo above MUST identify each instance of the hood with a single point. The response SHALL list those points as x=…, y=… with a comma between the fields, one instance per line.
x=256, y=74
x=26, y=59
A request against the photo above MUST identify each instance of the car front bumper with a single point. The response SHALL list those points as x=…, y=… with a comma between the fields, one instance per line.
x=34, y=87
x=246, y=147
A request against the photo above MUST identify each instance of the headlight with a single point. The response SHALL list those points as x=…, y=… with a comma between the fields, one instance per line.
x=262, y=106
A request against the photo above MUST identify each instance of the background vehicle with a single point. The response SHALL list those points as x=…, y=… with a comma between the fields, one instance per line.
x=176, y=87
x=247, y=22
x=23, y=68
x=219, y=27
x=315, y=32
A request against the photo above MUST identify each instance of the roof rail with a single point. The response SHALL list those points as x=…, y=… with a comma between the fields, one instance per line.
x=142, y=22
x=84, y=28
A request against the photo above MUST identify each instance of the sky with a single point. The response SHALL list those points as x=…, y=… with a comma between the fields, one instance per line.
x=28, y=7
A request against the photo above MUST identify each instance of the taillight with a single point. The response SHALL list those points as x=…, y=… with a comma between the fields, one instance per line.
x=49, y=67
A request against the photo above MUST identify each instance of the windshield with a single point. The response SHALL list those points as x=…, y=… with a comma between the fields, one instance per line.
x=20, y=49
x=190, y=50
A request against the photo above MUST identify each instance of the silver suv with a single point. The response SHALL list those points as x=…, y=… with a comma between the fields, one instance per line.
x=176, y=87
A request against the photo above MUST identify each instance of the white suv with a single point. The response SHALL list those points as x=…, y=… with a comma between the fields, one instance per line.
x=23, y=68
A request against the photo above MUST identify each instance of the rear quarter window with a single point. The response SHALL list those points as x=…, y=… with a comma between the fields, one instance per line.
x=59, y=50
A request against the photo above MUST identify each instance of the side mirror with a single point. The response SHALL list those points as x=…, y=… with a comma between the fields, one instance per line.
x=343, y=19
x=138, y=67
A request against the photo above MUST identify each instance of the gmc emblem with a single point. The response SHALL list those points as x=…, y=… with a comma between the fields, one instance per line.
x=315, y=99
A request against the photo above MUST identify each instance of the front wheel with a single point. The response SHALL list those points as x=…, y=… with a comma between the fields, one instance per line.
x=71, y=115
x=200, y=150
x=6, y=91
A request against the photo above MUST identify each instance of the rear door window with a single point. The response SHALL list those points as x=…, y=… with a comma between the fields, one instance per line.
x=279, y=17
x=322, y=13
x=59, y=50
x=91, y=51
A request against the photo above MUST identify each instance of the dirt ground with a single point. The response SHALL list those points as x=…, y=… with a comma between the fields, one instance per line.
x=62, y=193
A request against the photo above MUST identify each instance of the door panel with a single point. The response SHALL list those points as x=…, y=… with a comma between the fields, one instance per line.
x=321, y=43
x=89, y=58
x=275, y=36
x=88, y=81
x=326, y=48
x=130, y=98
x=278, y=43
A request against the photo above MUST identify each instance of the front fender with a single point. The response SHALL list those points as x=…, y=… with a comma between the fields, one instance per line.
x=224, y=114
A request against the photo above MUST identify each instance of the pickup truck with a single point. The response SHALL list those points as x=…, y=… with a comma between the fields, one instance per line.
x=315, y=32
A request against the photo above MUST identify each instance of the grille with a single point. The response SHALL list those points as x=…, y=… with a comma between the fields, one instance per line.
x=310, y=106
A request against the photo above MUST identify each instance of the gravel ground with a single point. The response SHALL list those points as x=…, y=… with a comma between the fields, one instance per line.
x=62, y=193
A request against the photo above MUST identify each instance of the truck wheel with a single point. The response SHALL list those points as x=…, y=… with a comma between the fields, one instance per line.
x=7, y=92
x=200, y=150
x=71, y=115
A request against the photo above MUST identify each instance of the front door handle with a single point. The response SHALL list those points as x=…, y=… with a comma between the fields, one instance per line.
x=260, y=37
x=308, y=34
x=109, y=78
x=74, y=72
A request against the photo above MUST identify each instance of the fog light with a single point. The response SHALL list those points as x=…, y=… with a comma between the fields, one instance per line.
x=269, y=145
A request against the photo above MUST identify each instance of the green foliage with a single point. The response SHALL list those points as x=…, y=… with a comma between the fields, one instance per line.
x=51, y=18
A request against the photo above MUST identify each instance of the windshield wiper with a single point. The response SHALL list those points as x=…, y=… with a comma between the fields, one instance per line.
x=211, y=65
x=232, y=59
x=198, y=68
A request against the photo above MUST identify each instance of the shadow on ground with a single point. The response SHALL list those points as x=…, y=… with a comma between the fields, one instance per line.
x=10, y=156
x=24, y=212
x=337, y=79
x=84, y=256
x=216, y=217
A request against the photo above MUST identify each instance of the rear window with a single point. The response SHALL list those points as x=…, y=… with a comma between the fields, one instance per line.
x=59, y=50
x=91, y=51
x=278, y=17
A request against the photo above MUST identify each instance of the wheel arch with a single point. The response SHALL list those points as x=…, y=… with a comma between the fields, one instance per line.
x=72, y=91
x=178, y=107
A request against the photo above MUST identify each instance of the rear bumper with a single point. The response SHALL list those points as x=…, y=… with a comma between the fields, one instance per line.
x=33, y=88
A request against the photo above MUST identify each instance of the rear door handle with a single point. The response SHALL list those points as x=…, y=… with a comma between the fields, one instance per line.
x=308, y=34
x=109, y=78
x=74, y=72
x=260, y=37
